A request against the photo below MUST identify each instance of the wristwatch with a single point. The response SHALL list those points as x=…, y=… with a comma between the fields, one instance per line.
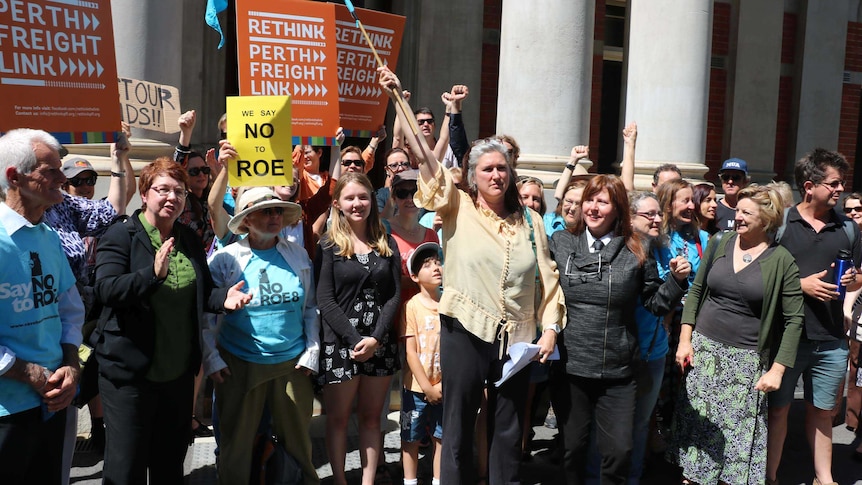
x=556, y=328
x=571, y=166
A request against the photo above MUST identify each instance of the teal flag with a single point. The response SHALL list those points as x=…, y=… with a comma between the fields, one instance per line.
x=215, y=7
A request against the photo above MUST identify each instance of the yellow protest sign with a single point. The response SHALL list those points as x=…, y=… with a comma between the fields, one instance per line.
x=259, y=128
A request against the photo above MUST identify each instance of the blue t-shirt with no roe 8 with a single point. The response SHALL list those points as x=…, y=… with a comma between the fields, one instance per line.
x=34, y=273
x=269, y=330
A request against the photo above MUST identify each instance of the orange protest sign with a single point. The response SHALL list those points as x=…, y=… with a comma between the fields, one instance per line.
x=288, y=48
x=57, y=69
x=363, y=104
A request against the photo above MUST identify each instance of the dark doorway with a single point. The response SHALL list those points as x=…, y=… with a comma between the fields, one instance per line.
x=609, y=129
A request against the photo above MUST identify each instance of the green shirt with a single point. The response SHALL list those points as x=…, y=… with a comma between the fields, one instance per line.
x=173, y=306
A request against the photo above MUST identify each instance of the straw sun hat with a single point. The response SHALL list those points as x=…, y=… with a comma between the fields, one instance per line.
x=259, y=198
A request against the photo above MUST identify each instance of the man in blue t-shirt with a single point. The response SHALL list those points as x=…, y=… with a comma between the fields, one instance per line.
x=40, y=331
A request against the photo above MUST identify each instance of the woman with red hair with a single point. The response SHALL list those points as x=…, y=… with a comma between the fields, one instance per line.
x=604, y=268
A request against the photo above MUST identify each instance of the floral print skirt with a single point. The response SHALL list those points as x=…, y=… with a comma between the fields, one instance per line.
x=719, y=426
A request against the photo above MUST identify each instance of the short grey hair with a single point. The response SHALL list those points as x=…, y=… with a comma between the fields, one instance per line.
x=17, y=150
x=635, y=199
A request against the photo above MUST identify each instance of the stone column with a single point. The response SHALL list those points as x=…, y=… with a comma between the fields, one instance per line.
x=448, y=50
x=820, y=71
x=754, y=86
x=666, y=79
x=149, y=43
x=545, y=83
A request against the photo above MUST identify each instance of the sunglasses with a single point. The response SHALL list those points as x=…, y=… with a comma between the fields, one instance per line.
x=88, y=181
x=358, y=163
x=423, y=121
x=272, y=210
x=726, y=177
x=194, y=172
x=848, y=210
x=834, y=184
x=405, y=193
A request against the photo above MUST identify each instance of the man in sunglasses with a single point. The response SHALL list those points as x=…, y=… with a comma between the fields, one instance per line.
x=734, y=177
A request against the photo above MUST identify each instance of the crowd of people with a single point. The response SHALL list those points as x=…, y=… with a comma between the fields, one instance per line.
x=671, y=309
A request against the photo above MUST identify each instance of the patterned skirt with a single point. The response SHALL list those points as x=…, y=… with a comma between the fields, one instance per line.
x=719, y=428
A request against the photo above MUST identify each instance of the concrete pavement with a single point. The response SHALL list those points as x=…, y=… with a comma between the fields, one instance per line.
x=796, y=466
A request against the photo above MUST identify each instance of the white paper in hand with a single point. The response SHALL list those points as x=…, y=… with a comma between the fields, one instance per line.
x=520, y=355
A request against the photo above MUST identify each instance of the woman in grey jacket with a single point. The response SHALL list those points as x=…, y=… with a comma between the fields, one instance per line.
x=603, y=270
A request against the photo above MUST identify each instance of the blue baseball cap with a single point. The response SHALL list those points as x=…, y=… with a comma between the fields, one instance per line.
x=734, y=164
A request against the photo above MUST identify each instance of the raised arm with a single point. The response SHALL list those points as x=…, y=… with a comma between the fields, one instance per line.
x=578, y=152
x=627, y=169
x=122, y=186
x=371, y=149
x=219, y=215
x=453, y=101
x=398, y=135
x=428, y=164
x=335, y=155
x=457, y=133
x=186, y=123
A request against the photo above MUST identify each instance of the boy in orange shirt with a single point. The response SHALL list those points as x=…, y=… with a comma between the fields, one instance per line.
x=422, y=395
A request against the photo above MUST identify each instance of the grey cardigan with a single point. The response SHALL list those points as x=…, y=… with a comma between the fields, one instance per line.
x=601, y=291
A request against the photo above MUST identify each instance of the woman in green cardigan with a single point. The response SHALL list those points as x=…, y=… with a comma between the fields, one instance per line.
x=748, y=309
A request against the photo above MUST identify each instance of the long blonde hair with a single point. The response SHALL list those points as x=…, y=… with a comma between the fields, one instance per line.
x=339, y=231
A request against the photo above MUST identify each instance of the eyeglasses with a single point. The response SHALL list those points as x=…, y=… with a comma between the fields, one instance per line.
x=77, y=181
x=405, y=193
x=650, y=215
x=726, y=177
x=194, y=172
x=834, y=184
x=272, y=210
x=394, y=166
x=180, y=194
x=848, y=210
x=430, y=121
x=358, y=163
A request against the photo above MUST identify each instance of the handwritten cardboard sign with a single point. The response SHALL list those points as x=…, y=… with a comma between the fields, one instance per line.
x=58, y=70
x=287, y=48
x=259, y=127
x=362, y=102
x=149, y=105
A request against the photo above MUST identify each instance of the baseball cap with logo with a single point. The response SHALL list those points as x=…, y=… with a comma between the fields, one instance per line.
x=73, y=166
x=734, y=164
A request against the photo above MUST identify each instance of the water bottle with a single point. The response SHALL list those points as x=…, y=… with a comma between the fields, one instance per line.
x=843, y=262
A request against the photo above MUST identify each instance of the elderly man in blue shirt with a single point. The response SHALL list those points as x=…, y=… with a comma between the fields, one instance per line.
x=42, y=313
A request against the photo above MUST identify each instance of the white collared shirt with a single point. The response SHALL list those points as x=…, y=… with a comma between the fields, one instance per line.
x=604, y=239
x=12, y=220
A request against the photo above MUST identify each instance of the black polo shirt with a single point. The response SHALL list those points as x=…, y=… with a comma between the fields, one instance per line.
x=814, y=252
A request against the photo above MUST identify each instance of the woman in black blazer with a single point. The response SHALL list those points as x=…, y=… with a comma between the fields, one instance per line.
x=152, y=278
x=604, y=269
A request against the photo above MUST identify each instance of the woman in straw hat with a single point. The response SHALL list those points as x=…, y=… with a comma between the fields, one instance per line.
x=264, y=352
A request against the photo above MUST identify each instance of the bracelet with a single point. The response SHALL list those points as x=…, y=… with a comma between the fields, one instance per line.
x=118, y=174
